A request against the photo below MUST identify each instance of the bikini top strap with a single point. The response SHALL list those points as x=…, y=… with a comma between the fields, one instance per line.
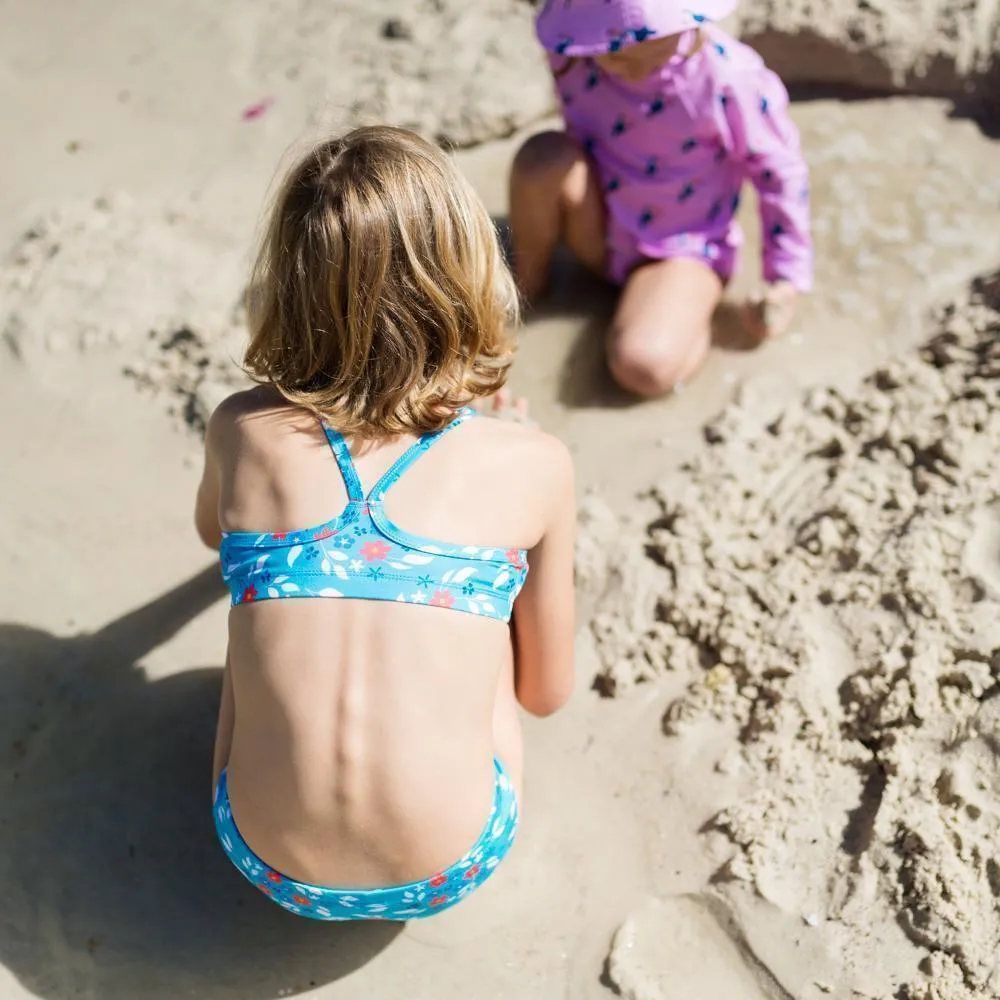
x=412, y=453
x=345, y=463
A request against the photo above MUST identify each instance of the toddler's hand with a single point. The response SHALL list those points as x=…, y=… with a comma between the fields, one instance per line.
x=769, y=316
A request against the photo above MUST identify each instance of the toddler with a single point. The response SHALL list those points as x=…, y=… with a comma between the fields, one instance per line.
x=666, y=117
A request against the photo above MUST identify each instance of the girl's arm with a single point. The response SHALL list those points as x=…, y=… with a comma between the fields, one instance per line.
x=544, y=613
x=206, y=507
x=755, y=108
x=206, y=521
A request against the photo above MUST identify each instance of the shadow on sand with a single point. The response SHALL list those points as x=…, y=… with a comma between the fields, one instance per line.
x=111, y=882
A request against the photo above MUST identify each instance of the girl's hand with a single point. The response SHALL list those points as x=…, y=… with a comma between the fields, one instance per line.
x=505, y=406
x=768, y=316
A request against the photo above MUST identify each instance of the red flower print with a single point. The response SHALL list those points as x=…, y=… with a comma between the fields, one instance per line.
x=301, y=900
x=264, y=888
x=472, y=871
x=250, y=594
x=438, y=900
x=438, y=880
x=374, y=551
x=325, y=533
x=516, y=558
x=441, y=599
x=273, y=877
x=280, y=536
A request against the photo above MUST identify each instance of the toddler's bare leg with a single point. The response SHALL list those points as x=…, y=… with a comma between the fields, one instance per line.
x=555, y=196
x=661, y=331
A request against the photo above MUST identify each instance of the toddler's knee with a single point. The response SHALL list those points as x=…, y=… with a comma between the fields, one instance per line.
x=646, y=366
x=546, y=156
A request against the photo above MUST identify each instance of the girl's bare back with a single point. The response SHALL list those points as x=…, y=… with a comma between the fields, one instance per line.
x=362, y=754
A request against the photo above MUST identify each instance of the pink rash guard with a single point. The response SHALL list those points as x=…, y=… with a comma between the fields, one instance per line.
x=673, y=151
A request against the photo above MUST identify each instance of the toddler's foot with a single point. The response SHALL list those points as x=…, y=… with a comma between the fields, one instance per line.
x=769, y=315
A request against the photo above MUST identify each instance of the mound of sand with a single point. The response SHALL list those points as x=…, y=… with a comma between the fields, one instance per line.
x=94, y=276
x=103, y=273
x=832, y=580
x=462, y=72
x=939, y=47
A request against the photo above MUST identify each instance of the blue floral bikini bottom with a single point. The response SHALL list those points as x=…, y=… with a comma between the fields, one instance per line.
x=418, y=899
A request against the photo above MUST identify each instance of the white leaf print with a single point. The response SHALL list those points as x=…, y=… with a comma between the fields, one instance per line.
x=281, y=579
x=463, y=574
x=259, y=539
x=470, y=550
x=293, y=553
x=330, y=592
x=325, y=566
x=487, y=553
x=290, y=588
x=488, y=608
x=502, y=577
x=433, y=549
x=447, y=576
x=340, y=572
x=473, y=607
x=336, y=556
x=263, y=559
x=273, y=592
x=396, y=565
x=414, y=560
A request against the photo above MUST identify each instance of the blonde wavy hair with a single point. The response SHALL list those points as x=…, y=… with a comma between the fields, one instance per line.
x=380, y=299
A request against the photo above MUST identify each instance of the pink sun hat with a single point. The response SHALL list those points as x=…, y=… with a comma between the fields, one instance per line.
x=596, y=27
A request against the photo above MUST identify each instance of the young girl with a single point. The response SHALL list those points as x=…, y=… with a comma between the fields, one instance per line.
x=375, y=535
x=666, y=117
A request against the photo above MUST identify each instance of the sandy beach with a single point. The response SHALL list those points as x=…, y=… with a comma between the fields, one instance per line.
x=779, y=775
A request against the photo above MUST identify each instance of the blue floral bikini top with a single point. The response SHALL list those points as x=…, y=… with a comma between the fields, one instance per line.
x=361, y=554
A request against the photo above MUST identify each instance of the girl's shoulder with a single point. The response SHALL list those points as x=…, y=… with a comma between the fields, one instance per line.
x=257, y=400
x=251, y=412
x=518, y=442
x=508, y=451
